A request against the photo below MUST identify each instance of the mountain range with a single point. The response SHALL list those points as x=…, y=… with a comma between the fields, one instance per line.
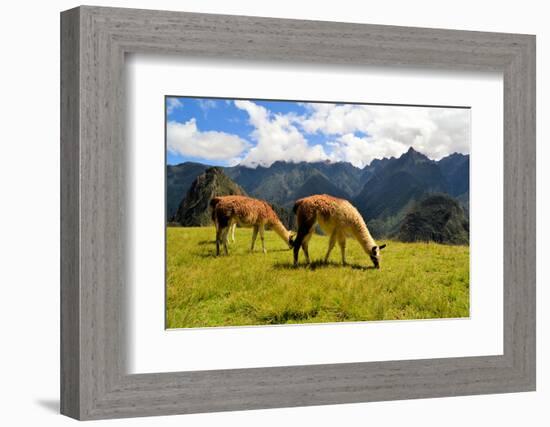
x=384, y=192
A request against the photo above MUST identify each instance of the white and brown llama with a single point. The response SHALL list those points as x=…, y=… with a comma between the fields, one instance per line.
x=339, y=219
x=227, y=211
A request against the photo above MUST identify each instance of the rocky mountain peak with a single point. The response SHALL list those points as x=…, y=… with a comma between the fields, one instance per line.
x=194, y=208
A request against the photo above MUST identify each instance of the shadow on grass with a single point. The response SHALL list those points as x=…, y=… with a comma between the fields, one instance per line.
x=206, y=242
x=278, y=250
x=256, y=252
x=207, y=254
x=320, y=264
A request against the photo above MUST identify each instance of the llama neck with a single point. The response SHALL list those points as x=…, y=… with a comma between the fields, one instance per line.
x=280, y=229
x=363, y=236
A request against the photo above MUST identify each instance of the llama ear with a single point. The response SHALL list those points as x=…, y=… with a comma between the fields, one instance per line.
x=382, y=247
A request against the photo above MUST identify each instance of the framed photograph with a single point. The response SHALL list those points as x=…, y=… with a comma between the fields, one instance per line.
x=262, y=213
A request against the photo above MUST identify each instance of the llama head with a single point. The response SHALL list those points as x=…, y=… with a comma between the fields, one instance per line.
x=375, y=255
x=291, y=237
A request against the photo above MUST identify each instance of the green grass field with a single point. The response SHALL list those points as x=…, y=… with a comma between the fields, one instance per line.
x=416, y=281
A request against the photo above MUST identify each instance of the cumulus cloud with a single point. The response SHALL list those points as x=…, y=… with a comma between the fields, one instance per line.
x=173, y=104
x=277, y=138
x=360, y=151
x=187, y=140
x=335, y=119
x=387, y=130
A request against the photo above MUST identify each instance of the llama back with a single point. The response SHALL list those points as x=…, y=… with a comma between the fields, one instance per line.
x=320, y=204
x=329, y=209
x=246, y=209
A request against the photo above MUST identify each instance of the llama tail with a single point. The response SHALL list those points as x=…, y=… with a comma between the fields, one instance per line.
x=213, y=203
x=297, y=205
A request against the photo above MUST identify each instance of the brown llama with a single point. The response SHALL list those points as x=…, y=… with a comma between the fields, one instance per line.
x=247, y=212
x=339, y=219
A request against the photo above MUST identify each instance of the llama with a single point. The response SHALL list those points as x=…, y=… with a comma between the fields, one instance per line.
x=339, y=219
x=248, y=212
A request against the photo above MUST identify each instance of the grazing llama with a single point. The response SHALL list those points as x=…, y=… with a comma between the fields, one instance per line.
x=227, y=211
x=339, y=219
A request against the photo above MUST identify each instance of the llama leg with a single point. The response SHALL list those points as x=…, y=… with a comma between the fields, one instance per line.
x=262, y=238
x=305, y=248
x=304, y=229
x=233, y=232
x=331, y=244
x=305, y=245
x=297, y=244
x=218, y=240
x=222, y=223
x=225, y=234
x=254, y=235
x=342, y=243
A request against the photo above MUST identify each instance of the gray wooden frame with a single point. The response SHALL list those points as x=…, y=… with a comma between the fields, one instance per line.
x=94, y=41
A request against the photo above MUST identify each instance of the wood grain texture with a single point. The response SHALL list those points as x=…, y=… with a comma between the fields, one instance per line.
x=70, y=259
x=94, y=272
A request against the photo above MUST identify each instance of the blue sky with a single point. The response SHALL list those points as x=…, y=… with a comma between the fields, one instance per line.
x=257, y=132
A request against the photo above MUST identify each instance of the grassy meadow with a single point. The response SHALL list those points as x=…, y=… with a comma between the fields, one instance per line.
x=416, y=281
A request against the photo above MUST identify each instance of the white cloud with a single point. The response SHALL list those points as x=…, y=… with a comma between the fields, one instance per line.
x=173, y=104
x=277, y=138
x=389, y=130
x=335, y=119
x=360, y=151
x=187, y=140
x=206, y=104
